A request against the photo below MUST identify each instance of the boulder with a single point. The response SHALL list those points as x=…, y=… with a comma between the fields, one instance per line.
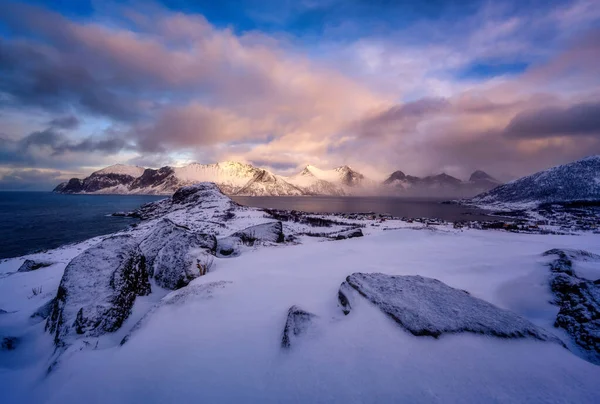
x=347, y=234
x=174, y=255
x=31, y=265
x=298, y=322
x=262, y=233
x=269, y=232
x=428, y=307
x=578, y=299
x=98, y=289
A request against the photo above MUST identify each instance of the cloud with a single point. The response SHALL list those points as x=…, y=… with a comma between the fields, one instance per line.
x=579, y=119
x=173, y=87
x=64, y=122
x=30, y=179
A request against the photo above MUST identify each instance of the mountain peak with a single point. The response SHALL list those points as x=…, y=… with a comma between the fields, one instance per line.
x=479, y=175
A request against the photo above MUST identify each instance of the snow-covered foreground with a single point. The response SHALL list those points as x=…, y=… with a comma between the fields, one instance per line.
x=223, y=344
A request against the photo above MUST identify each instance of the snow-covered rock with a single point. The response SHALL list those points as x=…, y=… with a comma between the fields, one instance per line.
x=98, y=289
x=298, y=322
x=262, y=233
x=578, y=299
x=174, y=255
x=347, y=234
x=31, y=265
x=578, y=181
x=429, y=307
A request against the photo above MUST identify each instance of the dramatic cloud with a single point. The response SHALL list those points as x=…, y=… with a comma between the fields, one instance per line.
x=579, y=119
x=509, y=88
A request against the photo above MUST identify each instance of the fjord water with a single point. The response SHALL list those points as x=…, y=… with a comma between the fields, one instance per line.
x=34, y=221
x=395, y=206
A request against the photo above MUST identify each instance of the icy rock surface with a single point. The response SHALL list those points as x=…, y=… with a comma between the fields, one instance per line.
x=578, y=299
x=173, y=253
x=428, y=307
x=298, y=322
x=98, y=289
x=31, y=265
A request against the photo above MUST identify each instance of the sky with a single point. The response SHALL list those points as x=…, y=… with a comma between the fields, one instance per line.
x=509, y=87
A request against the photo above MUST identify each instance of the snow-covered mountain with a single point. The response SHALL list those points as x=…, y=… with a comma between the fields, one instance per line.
x=578, y=181
x=232, y=178
x=338, y=181
x=440, y=185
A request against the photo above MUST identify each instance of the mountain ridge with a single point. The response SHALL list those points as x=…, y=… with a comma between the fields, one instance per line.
x=242, y=179
x=577, y=181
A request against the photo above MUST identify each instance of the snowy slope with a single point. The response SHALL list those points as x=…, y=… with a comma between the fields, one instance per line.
x=338, y=181
x=122, y=169
x=219, y=338
x=574, y=182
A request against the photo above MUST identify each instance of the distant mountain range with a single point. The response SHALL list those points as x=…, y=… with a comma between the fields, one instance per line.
x=575, y=182
x=235, y=178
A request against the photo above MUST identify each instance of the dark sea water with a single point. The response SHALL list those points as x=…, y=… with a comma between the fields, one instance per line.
x=400, y=207
x=34, y=221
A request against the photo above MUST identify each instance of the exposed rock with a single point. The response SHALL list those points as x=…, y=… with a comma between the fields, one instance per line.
x=348, y=234
x=428, y=307
x=98, y=289
x=298, y=322
x=578, y=299
x=270, y=232
x=174, y=254
x=9, y=343
x=31, y=265
x=266, y=232
x=179, y=297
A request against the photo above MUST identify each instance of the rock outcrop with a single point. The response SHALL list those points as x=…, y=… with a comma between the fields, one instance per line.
x=175, y=255
x=98, y=289
x=343, y=235
x=578, y=299
x=428, y=307
x=261, y=233
x=298, y=322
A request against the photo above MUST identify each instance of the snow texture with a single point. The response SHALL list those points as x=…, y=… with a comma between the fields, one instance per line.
x=428, y=307
x=578, y=299
x=98, y=289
